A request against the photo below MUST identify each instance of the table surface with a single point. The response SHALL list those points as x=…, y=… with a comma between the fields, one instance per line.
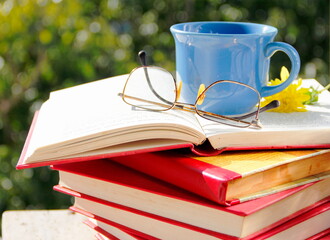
x=44, y=225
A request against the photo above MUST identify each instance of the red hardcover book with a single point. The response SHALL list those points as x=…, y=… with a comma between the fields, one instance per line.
x=99, y=236
x=111, y=182
x=233, y=177
x=111, y=232
x=313, y=224
x=141, y=223
x=324, y=235
x=91, y=121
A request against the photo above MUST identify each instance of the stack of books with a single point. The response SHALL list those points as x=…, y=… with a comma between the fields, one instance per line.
x=140, y=174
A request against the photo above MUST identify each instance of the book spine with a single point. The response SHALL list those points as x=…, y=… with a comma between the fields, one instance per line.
x=195, y=176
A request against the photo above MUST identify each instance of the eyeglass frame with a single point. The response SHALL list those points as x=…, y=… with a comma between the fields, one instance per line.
x=255, y=123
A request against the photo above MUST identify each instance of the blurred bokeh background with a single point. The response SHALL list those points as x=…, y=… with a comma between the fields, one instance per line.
x=51, y=44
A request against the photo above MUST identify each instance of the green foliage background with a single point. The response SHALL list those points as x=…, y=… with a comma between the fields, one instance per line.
x=47, y=45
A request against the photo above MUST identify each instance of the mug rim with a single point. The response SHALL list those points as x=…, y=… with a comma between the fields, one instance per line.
x=269, y=29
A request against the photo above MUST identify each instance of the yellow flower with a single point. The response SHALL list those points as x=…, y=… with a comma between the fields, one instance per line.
x=178, y=90
x=200, y=91
x=292, y=98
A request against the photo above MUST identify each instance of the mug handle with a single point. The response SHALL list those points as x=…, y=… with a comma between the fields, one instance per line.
x=293, y=55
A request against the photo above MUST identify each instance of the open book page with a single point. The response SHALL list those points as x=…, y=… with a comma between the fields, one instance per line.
x=279, y=129
x=92, y=115
x=131, y=146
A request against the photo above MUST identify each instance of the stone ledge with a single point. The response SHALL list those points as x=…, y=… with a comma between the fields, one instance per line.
x=44, y=225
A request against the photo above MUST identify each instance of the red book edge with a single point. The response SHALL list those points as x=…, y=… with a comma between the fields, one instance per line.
x=122, y=175
x=199, y=177
x=195, y=176
x=135, y=211
x=100, y=230
x=286, y=225
x=114, y=224
x=201, y=150
x=321, y=235
x=107, y=234
x=180, y=224
x=298, y=218
x=99, y=169
x=127, y=177
x=98, y=236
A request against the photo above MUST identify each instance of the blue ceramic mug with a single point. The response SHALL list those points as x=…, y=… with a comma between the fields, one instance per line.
x=210, y=51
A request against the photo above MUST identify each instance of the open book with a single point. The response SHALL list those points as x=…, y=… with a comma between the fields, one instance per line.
x=91, y=121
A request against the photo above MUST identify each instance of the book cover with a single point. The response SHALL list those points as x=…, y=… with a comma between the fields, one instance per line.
x=111, y=232
x=233, y=177
x=312, y=225
x=72, y=127
x=163, y=228
x=111, y=182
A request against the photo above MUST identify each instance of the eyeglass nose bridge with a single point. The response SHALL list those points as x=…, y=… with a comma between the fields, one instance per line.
x=185, y=106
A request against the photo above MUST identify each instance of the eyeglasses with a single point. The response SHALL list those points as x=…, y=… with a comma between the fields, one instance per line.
x=154, y=88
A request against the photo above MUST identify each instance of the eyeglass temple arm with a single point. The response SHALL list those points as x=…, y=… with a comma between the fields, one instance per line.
x=273, y=104
x=143, y=60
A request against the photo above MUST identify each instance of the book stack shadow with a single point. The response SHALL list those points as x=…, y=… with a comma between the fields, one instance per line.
x=139, y=174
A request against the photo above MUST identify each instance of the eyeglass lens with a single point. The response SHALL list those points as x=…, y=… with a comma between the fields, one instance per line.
x=154, y=86
x=228, y=99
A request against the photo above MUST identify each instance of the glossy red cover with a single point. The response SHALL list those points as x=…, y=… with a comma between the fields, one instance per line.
x=195, y=176
x=109, y=171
